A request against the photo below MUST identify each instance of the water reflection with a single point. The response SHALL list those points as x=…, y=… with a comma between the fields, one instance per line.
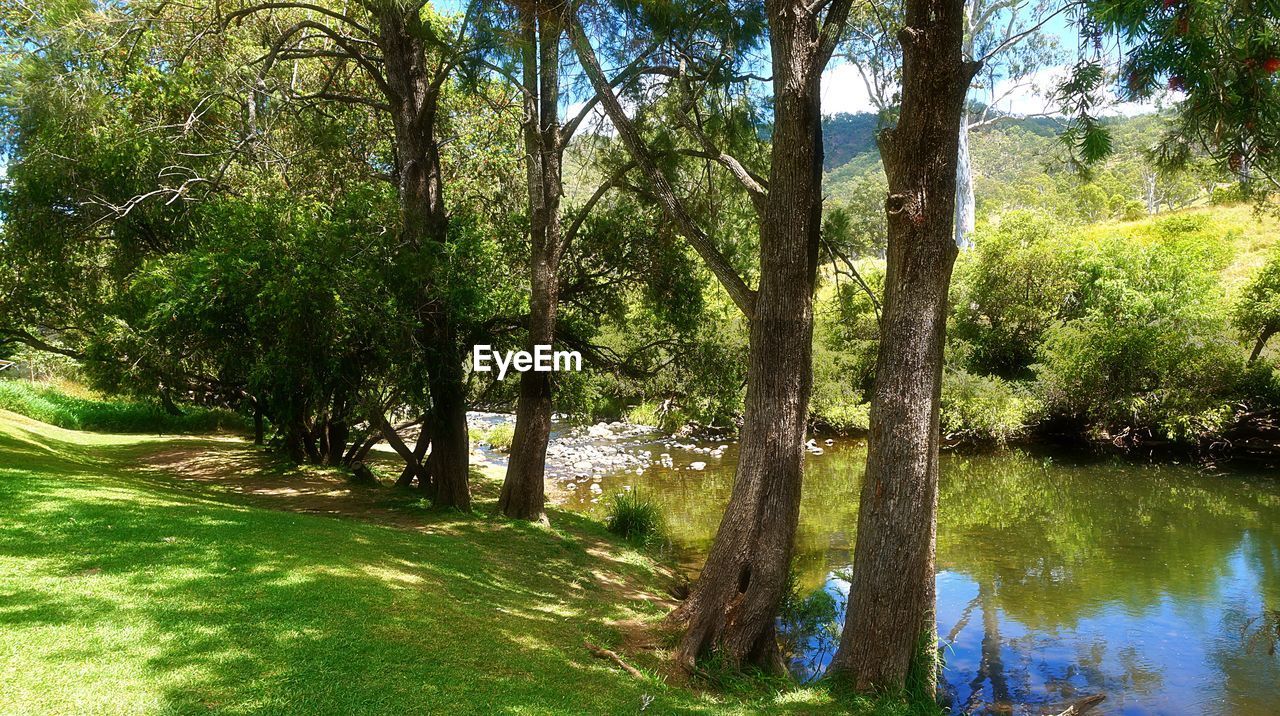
x=1057, y=578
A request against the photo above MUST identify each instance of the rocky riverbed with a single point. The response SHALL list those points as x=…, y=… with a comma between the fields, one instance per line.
x=583, y=455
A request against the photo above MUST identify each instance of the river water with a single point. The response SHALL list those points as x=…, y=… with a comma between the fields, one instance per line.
x=1057, y=577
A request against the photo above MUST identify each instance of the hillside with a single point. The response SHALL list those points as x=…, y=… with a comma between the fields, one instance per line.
x=1020, y=163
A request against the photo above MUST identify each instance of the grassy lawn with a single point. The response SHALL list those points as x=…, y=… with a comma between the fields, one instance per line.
x=124, y=590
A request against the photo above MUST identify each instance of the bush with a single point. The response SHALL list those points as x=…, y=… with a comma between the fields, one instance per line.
x=1225, y=195
x=664, y=416
x=1147, y=346
x=499, y=436
x=985, y=408
x=634, y=517
x=52, y=406
x=1008, y=291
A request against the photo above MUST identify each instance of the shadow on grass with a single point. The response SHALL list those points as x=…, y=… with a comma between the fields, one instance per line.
x=167, y=599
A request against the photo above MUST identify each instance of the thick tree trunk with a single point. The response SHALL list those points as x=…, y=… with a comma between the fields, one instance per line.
x=338, y=432
x=889, y=629
x=733, y=607
x=523, y=495
x=449, y=463
x=414, y=95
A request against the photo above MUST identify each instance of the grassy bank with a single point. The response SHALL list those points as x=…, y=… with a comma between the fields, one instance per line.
x=125, y=590
x=59, y=407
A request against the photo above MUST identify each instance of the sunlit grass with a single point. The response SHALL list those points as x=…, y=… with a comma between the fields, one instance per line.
x=121, y=593
x=56, y=405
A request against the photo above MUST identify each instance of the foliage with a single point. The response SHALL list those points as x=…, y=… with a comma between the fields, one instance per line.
x=985, y=408
x=1144, y=345
x=1219, y=60
x=634, y=517
x=1008, y=291
x=118, y=415
x=846, y=337
x=498, y=437
x=1256, y=314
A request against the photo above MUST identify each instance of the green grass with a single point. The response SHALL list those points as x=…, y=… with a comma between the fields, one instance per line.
x=499, y=437
x=634, y=517
x=57, y=407
x=124, y=591
x=1250, y=235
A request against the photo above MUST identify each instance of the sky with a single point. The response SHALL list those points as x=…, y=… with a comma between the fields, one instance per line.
x=843, y=89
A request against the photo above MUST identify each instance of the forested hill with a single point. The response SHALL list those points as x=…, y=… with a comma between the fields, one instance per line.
x=847, y=137
x=1020, y=164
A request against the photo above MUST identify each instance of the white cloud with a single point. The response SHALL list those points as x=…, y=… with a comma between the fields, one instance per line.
x=1034, y=96
x=844, y=91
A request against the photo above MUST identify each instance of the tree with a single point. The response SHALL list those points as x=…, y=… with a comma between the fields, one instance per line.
x=889, y=630
x=732, y=610
x=408, y=55
x=1221, y=56
x=1257, y=312
x=1005, y=35
x=539, y=30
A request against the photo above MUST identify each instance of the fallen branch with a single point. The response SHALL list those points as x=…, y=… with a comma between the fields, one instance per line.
x=1083, y=706
x=600, y=653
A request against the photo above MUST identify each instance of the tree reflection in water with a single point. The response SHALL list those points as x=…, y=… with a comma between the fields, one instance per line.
x=1057, y=578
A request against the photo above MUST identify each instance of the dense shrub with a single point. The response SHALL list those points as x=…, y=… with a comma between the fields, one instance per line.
x=1008, y=291
x=52, y=406
x=985, y=408
x=1147, y=345
x=1256, y=314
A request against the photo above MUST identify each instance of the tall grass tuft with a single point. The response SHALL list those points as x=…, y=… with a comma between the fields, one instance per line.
x=110, y=415
x=634, y=517
x=499, y=437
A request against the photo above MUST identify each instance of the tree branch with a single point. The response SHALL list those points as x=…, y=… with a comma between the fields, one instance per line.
x=675, y=210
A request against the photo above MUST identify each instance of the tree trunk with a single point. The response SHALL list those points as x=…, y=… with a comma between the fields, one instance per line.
x=419, y=453
x=338, y=432
x=166, y=400
x=889, y=630
x=449, y=462
x=411, y=461
x=414, y=95
x=523, y=495
x=965, y=199
x=309, y=444
x=259, y=423
x=1261, y=343
x=294, y=443
x=733, y=607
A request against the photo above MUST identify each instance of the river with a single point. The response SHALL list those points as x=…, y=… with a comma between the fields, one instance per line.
x=1058, y=577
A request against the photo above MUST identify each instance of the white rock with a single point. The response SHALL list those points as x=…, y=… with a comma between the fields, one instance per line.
x=697, y=466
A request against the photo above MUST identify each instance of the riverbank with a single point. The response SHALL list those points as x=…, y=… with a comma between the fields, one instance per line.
x=148, y=574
